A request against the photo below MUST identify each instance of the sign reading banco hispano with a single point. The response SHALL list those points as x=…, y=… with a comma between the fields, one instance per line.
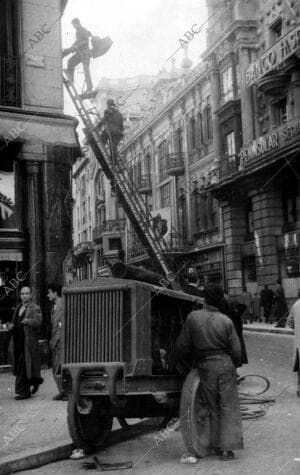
x=274, y=56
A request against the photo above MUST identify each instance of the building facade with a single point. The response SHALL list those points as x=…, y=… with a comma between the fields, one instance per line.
x=37, y=145
x=259, y=140
x=170, y=155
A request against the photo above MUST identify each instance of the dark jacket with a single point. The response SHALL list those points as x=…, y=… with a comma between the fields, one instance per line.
x=56, y=322
x=234, y=310
x=207, y=332
x=31, y=343
x=113, y=120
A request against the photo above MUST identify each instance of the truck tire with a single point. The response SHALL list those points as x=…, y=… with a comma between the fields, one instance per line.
x=194, y=417
x=90, y=430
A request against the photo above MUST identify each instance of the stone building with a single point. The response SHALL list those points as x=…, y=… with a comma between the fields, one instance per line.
x=257, y=122
x=170, y=155
x=37, y=145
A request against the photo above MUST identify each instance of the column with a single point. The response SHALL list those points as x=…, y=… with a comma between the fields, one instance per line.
x=267, y=222
x=35, y=230
x=246, y=97
x=234, y=233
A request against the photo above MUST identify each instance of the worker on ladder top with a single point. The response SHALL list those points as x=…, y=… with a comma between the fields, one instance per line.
x=81, y=54
x=113, y=127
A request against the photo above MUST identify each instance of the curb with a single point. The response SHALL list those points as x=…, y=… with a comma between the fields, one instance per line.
x=61, y=452
x=278, y=331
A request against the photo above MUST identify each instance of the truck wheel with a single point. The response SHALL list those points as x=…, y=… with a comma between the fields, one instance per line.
x=194, y=417
x=88, y=428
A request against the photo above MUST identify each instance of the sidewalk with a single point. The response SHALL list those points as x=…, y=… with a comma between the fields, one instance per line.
x=267, y=328
x=33, y=425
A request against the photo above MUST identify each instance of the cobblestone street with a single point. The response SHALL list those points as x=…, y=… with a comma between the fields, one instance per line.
x=271, y=443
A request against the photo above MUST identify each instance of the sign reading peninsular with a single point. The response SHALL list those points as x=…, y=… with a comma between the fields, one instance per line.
x=279, y=138
x=274, y=56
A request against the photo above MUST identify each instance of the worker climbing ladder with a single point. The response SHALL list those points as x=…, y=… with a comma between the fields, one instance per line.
x=116, y=171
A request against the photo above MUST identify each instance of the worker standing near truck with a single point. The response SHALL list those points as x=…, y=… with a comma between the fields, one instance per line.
x=210, y=338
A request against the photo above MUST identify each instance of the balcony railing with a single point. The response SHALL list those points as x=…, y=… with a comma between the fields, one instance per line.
x=144, y=184
x=10, y=82
x=229, y=164
x=175, y=164
x=112, y=225
x=179, y=242
x=136, y=251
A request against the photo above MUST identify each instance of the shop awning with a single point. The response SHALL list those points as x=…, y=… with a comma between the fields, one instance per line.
x=15, y=255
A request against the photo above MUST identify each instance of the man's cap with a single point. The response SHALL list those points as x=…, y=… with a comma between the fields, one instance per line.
x=110, y=102
x=75, y=20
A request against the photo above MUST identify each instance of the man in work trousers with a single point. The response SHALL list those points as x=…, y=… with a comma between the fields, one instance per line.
x=81, y=54
x=211, y=339
x=293, y=322
x=54, y=296
x=24, y=346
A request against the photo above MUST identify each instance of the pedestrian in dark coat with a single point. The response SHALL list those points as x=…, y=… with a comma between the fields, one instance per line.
x=24, y=346
x=266, y=301
x=235, y=311
x=54, y=296
x=293, y=321
x=280, y=311
x=210, y=337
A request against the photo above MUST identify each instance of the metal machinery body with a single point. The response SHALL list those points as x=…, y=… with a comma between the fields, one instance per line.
x=118, y=339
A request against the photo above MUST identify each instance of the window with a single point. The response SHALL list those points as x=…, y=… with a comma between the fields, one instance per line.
x=165, y=196
x=147, y=164
x=249, y=219
x=115, y=244
x=200, y=129
x=227, y=84
x=279, y=109
x=207, y=116
x=229, y=144
x=192, y=134
x=289, y=205
x=206, y=212
x=182, y=217
x=9, y=66
x=162, y=160
x=276, y=31
x=8, y=218
x=179, y=141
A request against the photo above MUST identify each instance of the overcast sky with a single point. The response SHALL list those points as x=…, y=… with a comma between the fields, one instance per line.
x=145, y=32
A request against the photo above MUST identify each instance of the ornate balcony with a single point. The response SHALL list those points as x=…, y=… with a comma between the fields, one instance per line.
x=229, y=165
x=274, y=84
x=175, y=164
x=180, y=243
x=112, y=225
x=144, y=185
x=10, y=82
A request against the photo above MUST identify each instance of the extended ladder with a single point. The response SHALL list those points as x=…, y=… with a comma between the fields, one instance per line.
x=132, y=202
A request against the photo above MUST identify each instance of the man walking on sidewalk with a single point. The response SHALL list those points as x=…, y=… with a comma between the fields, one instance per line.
x=24, y=346
x=266, y=301
x=54, y=296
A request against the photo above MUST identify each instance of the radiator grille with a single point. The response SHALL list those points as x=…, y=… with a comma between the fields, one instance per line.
x=93, y=326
